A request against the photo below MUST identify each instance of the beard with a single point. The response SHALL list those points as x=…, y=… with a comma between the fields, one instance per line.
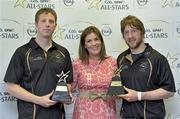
x=135, y=45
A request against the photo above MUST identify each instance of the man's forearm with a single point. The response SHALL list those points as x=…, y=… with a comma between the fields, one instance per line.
x=20, y=93
x=156, y=94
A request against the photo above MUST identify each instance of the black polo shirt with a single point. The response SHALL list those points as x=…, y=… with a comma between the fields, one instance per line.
x=145, y=72
x=37, y=73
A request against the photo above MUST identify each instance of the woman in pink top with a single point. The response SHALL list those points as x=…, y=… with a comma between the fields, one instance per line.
x=93, y=71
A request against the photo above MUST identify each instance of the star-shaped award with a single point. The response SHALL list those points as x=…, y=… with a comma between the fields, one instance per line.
x=62, y=77
x=61, y=92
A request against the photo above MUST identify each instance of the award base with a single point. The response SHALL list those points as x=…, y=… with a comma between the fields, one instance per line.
x=61, y=96
x=116, y=87
x=61, y=93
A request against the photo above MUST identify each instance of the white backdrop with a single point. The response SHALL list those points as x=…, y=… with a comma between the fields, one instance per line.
x=161, y=19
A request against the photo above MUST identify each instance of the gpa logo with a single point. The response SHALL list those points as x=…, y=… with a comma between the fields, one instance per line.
x=31, y=31
x=106, y=31
x=178, y=29
x=178, y=91
x=68, y=2
x=142, y=2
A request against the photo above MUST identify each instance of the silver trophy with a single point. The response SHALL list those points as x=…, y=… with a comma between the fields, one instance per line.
x=61, y=93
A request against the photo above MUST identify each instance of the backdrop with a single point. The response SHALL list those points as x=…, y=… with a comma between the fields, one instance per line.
x=161, y=19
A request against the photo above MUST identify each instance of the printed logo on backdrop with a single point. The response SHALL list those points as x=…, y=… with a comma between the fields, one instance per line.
x=68, y=3
x=71, y=31
x=157, y=30
x=171, y=116
x=142, y=4
x=114, y=5
x=178, y=91
x=177, y=29
x=5, y=96
x=58, y=32
x=173, y=60
x=10, y=29
x=93, y=4
x=34, y=4
x=106, y=30
x=31, y=29
x=170, y=3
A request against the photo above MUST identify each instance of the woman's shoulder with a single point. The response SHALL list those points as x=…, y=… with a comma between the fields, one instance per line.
x=77, y=61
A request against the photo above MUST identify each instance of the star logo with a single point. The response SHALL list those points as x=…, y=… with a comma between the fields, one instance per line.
x=58, y=33
x=19, y=3
x=93, y=3
x=167, y=3
x=172, y=59
x=62, y=77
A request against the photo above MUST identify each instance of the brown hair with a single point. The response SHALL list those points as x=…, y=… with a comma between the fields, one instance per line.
x=45, y=10
x=83, y=53
x=132, y=21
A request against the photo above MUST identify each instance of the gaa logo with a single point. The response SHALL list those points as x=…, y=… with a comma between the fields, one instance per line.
x=142, y=2
x=68, y=2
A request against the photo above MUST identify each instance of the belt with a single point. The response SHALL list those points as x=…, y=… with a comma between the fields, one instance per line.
x=93, y=95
